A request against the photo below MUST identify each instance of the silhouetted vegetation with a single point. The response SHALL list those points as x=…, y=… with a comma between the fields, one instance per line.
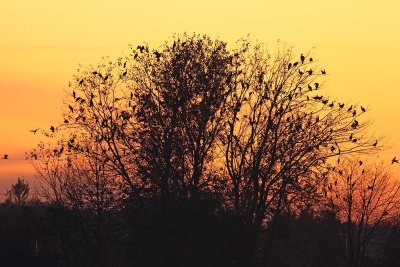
x=199, y=155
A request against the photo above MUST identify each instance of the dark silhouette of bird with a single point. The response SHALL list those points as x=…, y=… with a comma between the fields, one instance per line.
x=52, y=129
x=302, y=58
x=350, y=108
x=317, y=97
x=394, y=160
x=323, y=72
x=351, y=137
x=341, y=105
x=124, y=74
x=363, y=109
x=354, y=140
x=80, y=82
x=325, y=101
x=370, y=187
x=301, y=72
x=66, y=121
x=71, y=108
x=354, y=124
x=34, y=131
x=354, y=113
x=295, y=64
x=316, y=86
x=375, y=143
x=309, y=72
x=289, y=66
x=360, y=162
x=311, y=59
x=309, y=88
x=5, y=156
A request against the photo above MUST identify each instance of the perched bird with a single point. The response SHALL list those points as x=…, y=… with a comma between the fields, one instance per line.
x=363, y=109
x=394, y=160
x=309, y=88
x=295, y=64
x=341, y=105
x=311, y=59
x=302, y=58
x=375, y=143
x=300, y=72
x=316, y=86
x=289, y=66
x=34, y=131
x=360, y=162
x=323, y=72
x=309, y=72
x=52, y=129
x=5, y=156
x=370, y=187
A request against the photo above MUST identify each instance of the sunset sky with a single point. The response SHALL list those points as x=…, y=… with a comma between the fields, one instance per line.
x=43, y=42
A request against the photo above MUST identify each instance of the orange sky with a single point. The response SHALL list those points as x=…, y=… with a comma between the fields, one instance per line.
x=42, y=43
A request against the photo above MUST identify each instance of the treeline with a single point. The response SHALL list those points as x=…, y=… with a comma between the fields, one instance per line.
x=197, y=154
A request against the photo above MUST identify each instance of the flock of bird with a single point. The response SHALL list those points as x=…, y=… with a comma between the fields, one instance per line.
x=302, y=59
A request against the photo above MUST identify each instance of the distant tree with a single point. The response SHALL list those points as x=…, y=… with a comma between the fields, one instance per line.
x=19, y=192
x=367, y=198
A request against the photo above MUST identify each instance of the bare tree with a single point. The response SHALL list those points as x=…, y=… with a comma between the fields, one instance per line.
x=282, y=130
x=367, y=196
x=19, y=192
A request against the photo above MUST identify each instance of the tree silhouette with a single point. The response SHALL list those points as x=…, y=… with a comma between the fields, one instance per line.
x=19, y=192
x=367, y=197
x=195, y=133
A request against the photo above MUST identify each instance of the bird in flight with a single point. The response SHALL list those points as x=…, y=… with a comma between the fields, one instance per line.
x=394, y=160
x=34, y=131
x=5, y=156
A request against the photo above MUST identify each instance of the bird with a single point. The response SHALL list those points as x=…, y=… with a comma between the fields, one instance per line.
x=71, y=108
x=301, y=72
x=341, y=105
x=309, y=88
x=302, y=58
x=323, y=72
x=52, y=129
x=289, y=66
x=5, y=156
x=375, y=143
x=360, y=162
x=316, y=86
x=311, y=59
x=370, y=187
x=309, y=72
x=363, y=109
x=34, y=131
x=394, y=160
x=295, y=64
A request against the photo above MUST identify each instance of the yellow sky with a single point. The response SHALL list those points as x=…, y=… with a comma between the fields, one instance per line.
x=42, y=42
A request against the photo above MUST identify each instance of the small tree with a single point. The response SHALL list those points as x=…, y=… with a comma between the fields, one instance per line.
x=19, y=192
x=367, y=197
